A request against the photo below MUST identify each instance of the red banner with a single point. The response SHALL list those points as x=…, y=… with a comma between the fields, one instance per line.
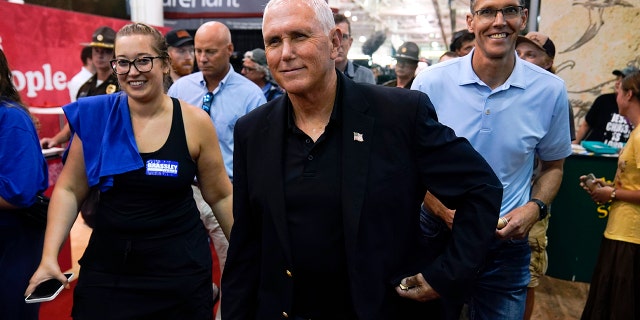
x=43, y=48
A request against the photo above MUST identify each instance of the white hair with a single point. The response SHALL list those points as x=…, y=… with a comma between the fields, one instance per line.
x=259, y=67
x=323, y=12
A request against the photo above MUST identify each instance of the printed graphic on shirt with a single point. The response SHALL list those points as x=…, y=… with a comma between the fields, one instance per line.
x=166, y=168
x=617, y=131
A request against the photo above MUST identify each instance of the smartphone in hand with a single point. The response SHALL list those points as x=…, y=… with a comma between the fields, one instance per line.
x=47, y=290
x=590, y=181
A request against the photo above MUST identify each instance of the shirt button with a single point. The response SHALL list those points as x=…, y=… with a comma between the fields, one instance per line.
x=284, y=314
x=308, y=141
x=310, y=157
x=488, y=112
x=289, y=274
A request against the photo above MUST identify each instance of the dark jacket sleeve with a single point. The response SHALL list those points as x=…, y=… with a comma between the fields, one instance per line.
x=459, y=176
x=242, y=269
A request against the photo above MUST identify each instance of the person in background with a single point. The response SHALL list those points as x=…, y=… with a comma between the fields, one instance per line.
x=537, y=48
x=254, y=67
x=181, y=52
x=23, y=175
x=352, y=70
x=85, y=73
x=603, y=122
x=462, y=42
x=217, y=88
x=377, y=72
x=102, y=82
x=613, y=292
x=327, y=184
x=226, y=96
x=447, y=56
x=407, y=57
x=148, y=256
x=511, y=111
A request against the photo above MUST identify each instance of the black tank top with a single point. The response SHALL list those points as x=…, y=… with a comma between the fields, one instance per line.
x=154, y=201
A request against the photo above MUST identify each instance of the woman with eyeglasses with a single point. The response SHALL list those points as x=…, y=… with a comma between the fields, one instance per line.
x=615, y=285
x=148, y=256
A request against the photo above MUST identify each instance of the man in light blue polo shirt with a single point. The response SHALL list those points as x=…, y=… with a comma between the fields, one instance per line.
x=233, y=94
x=510, y=110
x=226, y=96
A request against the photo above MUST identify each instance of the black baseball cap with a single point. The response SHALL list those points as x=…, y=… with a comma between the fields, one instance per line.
x=178, y=38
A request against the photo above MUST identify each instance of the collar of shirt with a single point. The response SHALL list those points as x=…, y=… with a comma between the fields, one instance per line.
x=220, y=86
x=335, y=115
x=468, y=76
x=266, y=87
x=349, y=70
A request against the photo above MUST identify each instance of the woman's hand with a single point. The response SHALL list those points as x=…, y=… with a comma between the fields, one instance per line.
x=599, y=190
x=45, y=272
x=601, y=195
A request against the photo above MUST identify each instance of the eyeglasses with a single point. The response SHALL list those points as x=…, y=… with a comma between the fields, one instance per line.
x=207, y=100
x=346, y=36
x=142, y=64
x=489, y=14
x=249, y=68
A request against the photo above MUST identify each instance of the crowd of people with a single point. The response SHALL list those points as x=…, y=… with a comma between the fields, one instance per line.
x=325, y=193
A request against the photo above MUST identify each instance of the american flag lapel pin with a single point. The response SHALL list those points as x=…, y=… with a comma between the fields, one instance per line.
x=357, y=136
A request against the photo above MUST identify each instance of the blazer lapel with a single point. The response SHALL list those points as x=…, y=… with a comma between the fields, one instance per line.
x=272, y=142
x=357, y=136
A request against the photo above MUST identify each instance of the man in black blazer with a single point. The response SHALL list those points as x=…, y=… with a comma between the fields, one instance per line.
x=328, y=182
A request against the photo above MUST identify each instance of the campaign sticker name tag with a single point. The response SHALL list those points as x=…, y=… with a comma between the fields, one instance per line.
x=166, y=168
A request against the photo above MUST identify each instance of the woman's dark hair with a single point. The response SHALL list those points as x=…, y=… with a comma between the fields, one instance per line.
x=8, y=91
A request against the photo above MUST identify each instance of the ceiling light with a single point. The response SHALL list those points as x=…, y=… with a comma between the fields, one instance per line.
x=347, y=13
x=354, y=18
x=362, y=39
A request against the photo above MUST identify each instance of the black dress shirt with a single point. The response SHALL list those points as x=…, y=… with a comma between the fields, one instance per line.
x=312, y=194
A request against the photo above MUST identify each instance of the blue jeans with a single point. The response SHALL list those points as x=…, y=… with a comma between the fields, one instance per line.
x=500, y=289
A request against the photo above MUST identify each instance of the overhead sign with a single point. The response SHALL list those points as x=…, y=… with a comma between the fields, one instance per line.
x=194, y=9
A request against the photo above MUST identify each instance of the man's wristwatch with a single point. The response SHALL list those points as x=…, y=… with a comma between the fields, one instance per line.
x=544, y=210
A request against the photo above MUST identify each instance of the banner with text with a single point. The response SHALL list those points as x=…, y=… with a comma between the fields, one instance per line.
x=43, y=48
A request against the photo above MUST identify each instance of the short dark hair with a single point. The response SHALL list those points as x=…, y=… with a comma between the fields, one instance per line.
x=340, y=18
x=85, y=55
x=459, y=38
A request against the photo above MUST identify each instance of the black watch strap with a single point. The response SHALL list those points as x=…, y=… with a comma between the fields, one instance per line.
x=544, y=211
